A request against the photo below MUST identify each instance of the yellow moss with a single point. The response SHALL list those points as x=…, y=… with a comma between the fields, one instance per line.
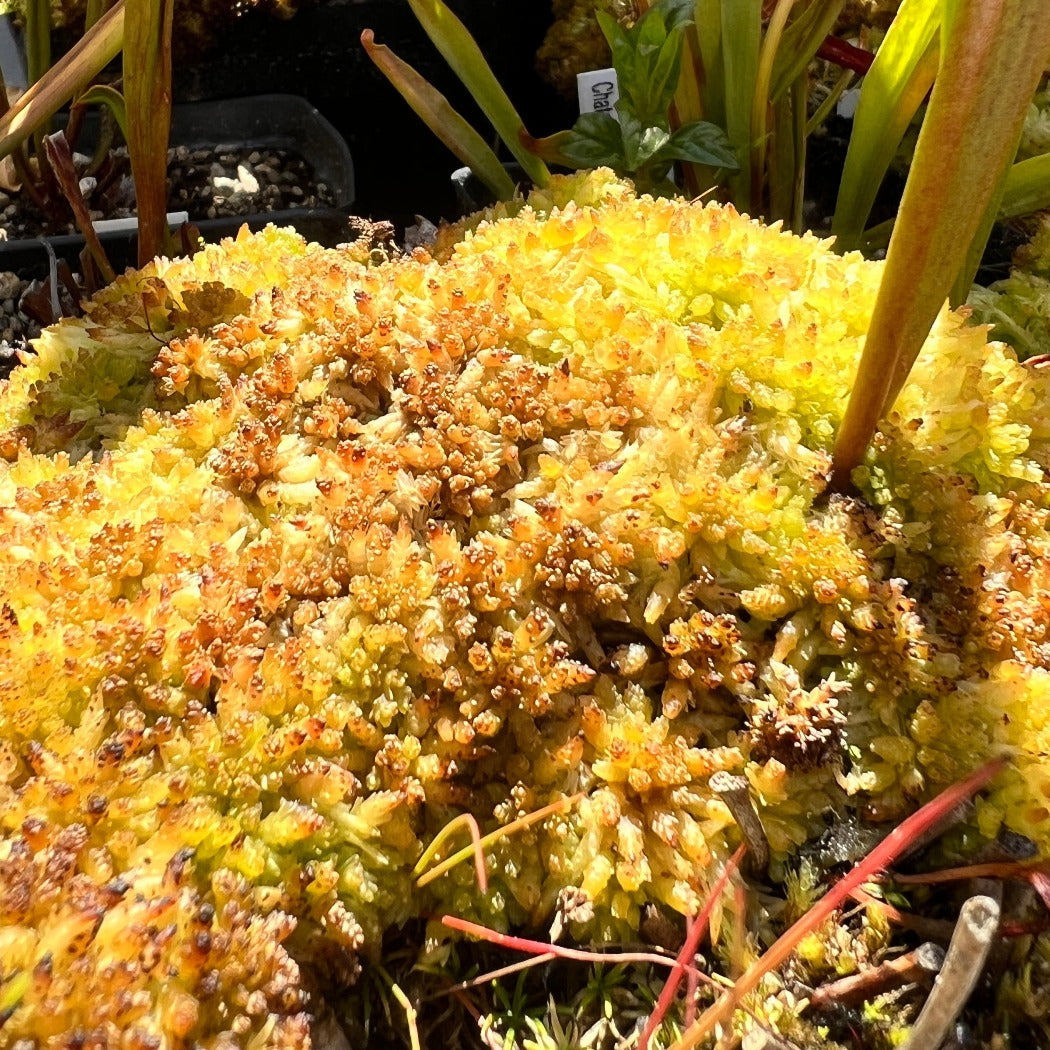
x=324, y=554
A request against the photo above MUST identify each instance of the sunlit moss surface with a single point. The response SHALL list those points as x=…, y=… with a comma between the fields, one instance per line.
x=302, y=558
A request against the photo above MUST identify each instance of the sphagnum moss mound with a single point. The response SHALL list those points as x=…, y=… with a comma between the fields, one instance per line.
x=303, y=557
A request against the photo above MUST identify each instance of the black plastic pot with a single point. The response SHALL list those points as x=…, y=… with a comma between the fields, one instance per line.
x=401, y=167
x=472, y=194
x=258, y=122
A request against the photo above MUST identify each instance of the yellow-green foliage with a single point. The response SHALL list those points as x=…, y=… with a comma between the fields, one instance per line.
x=302, y=558
x=1018, y=307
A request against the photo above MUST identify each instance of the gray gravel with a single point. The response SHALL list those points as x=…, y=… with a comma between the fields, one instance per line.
x=201, y=182
x=205, y=184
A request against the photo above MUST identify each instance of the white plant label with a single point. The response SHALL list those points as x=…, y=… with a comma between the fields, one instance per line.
x=175, y=218
x=598, y=90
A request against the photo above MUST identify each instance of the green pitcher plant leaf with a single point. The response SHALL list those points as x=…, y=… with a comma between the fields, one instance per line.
x=740, y=39
x=708, y=29
x=1027, y=187
x=37, y=38
x=71, y=74
x=993, y=56
x=147, y=96
x=464, y=56
x=438, y=114
x=891, y=93
x=113, y=100
x=760, y=102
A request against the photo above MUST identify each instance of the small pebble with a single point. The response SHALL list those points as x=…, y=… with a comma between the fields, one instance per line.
x=249, y=183
x=10, y=285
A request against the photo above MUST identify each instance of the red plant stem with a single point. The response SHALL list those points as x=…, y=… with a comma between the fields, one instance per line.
x=880, y=858
x=688, y=950
x=523, y=944
x=843, y=53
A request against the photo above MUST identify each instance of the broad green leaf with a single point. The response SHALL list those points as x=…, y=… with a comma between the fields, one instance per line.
x=631, y=131
x=994, y=56
x=891, y=93
x=620, y=46
x=438, y=114
x=72, y=73
x=662, y=78
x=652, y=141
x=677, y=14
x=1027, y=188
x=593, y=141
x=648, y=55
x=700, y=143
x=147, y=96
x=461, y=52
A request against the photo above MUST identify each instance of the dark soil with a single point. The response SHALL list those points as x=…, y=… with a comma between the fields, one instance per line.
x=203, y=183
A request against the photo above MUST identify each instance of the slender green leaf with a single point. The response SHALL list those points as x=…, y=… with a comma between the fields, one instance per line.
x=37, y=38
x=800, y=42
x=147, y=96
x=93, y=11
x=761, y=103
x=708, y=29
x=461, y=52
x=1027, y=187
x=741, y=36
x=891, y=93
x=994, y=56
x=438, y=114
x=72, y=73
x=113, y=100
x=823, y=111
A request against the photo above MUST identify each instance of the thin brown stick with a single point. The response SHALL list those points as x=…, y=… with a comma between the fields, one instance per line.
x=918, y=966
x=735, y=792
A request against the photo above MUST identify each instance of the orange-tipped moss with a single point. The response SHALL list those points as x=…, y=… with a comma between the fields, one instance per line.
x=304, y=558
